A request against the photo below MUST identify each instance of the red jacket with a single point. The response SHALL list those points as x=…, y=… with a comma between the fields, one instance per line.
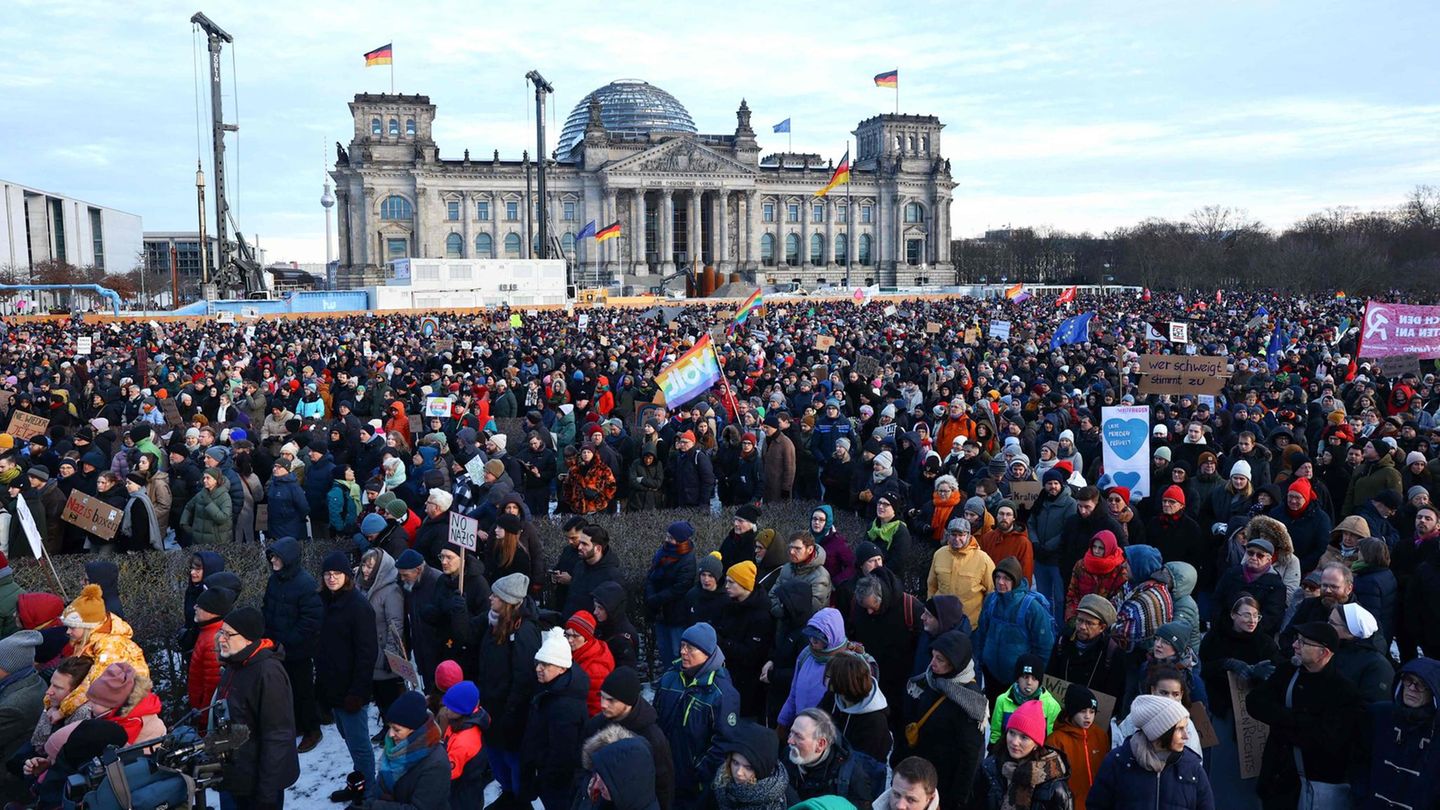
x=595, y=659
x=142, y=722
x=204, y=669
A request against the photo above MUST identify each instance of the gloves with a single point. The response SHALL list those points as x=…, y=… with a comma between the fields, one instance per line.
x=1238, y=667
x=353, y=704
x=1262, y=671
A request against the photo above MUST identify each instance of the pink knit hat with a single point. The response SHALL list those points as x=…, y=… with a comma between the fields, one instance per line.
x=112, y=688
x=447, y=675
x=1029, y=720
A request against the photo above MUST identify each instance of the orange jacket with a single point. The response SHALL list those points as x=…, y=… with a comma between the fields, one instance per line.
x=1084, y=749
x=462, y=747
x=204, y=669
x=1014, y=543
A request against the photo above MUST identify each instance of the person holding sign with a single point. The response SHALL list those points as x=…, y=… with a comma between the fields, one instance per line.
x=1153, y=767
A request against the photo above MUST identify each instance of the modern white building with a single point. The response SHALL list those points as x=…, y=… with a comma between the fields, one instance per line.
x=465, y=283
x=39, y=226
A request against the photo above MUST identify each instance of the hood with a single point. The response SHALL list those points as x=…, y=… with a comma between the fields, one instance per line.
x=795, y=601
x=1427, y=670
x=873, y=702
x=611, y=596
x=107, y=575
x=627, y=768
x=37, y=609
x=1183, y=576
x=1144, y=561
x=385, y=573
x=949, y=610
x=288, y=550
x=830, y=624
x=829, y=520
x=428, y=452
x=818, y=561
x=210, y=563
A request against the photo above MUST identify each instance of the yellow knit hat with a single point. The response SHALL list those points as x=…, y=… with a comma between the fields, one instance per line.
x=88, y=609
x=6, y=441
x=744, y=574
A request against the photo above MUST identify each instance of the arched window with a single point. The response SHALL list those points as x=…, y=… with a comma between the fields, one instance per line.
x=375, y=127
x=817, y=249
x=567, y=244
x=410, y=127
x=842, y=249
x=899, y=143
x=454, y=246
x=925, y=144
x=865, y=258
x=792, y=249
x=767, y=250
x=512, y=246
x=396, y=207
x=484, y=246
x=914, y=212
x=912, y=144
x=394, y=127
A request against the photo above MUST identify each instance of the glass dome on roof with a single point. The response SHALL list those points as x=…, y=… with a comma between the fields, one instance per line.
x=627, y=107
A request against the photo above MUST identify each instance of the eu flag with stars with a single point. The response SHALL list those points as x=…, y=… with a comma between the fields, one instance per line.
x=587, y=231
x=1274, y=349
x=783, y=126
x=1075, y=329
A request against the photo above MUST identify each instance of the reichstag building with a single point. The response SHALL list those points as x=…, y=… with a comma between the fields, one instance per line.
x=630, y=152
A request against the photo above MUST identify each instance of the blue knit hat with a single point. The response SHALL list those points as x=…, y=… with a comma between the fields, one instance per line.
x=681, y=530
x=462, y=698
x=1053, y=474
x=409, y=711
x=372, y=524
x=409, y=559
x=701, y=636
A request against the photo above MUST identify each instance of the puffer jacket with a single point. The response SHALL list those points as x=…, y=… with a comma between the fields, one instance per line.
x=288, y=507
x=1182, y=584
x=807, y=687
x=207, y=516
x=109, y=643
x=967, y=574
x=1012, y=624
x=204, y=667
x=813, y=573
x=1122, y=784
x=691, y=712
x=1085, y=750
x=292, y=607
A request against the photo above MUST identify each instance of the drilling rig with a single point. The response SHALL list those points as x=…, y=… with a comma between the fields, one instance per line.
x=237, y=273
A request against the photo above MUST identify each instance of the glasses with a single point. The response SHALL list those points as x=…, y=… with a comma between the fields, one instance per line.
x=1257, y=554
x=1248, y=615
x=223, y=633
x=1305, y=642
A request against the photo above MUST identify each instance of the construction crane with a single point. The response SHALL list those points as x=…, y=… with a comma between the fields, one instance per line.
x=236, y=270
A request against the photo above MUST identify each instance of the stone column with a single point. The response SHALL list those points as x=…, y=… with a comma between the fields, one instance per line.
x=897, y=210
x=754, y=228
x=467, y=247
x=637, y=232
x=497, y=246
x=610, y=257
x=665, y=232
x=692, y=227
x=417, y=239
x=829, y=251
x=364, y=207
x=723, y=259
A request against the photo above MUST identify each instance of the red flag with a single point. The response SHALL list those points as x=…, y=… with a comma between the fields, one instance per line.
x=1066, y=297
x=1145, y=296
x=1218, y=298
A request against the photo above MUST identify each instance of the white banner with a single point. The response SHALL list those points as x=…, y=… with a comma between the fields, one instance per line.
x=1000, y=330
x=1125, y=437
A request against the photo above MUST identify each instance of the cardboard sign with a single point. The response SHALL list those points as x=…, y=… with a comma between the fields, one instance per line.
x=171, y=409
x=867, y=366
x=25, y=425
x=1177, y=374
x=466, y=345
x=92, y=515
x=932, y=328
x=262, y=517
x=890, y=310
x=1025, y=493
x=824, y=342
x=225, y=317
x=415, y=426
x=476, y=469
x=442, y=346
x=1000, y=330
x=1250, y=734
x=1179, y=332
x=5, y=397
x=403, y=668
x=464, y=531
x=516, y=321
x=1200, y=721
x=437, y=407
x=604, y=341
x=84, y=344
x=972, y=336
x=583, y=321
x=1398, y=365
x=1104, y=704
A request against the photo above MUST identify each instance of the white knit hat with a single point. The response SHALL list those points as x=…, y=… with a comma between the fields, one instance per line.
x=1359, y=621
x=554, y=649
x=1241, y=467
x=1154, y=716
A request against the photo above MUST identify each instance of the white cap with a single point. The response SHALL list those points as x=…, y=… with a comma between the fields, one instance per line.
x=1241, y=467
x=1359, y=621
x=554, y=649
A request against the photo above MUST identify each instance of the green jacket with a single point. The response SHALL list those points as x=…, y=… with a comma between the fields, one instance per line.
x=21, y=698
x=1006, y=704
x=9, y=600
x=207, y=516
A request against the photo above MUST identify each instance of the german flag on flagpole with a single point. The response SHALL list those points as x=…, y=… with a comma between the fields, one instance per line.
x=380, y=56
x=608, y=232
x=888, y=79
x=840, y=177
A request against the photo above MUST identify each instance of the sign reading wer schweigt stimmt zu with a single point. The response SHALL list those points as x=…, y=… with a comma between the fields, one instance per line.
x=1181, y=374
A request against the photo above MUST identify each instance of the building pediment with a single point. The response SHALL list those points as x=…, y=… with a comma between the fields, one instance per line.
x=681, y=157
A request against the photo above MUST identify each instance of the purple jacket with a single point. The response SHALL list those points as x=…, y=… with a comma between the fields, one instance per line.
x=807, y=687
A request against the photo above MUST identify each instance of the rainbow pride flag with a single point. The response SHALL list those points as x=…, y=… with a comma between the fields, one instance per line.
x=690, y=375
x=754, y=302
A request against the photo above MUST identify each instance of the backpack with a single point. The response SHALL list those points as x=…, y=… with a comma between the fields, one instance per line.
x=1008, y=628
x=872, y=769
x=348, y=511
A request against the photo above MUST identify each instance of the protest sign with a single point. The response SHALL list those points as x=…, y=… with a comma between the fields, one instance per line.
x=1200, y=721
x=262, y=517
x=92, y=515
x=1398, y=365
x=1182, y=374
x=932, y=328
x=516, y=321
x=1179, y=332
x=415, y=424
x=890, y=310
x=84, y=344
x=442, y=346
x=583, y=321
x=1025, y=493
x=25, y=425
x=1000, y=330
x=32, y=531
x=1399, y=329
x=1250, y=734
x=403, y=668
x=171, y=409
x=437, y=407
x=824, y=342
x=464, y=531
x=1104, y=704
x=1125, y=437
x=867, y=366
x=475, y=467
x=225, y=316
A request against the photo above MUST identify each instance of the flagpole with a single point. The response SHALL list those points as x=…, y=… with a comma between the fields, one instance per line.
x=849, y=221
x=392, y=69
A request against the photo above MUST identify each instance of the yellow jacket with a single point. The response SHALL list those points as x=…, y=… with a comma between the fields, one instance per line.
x=966, y=574
x=110, y=642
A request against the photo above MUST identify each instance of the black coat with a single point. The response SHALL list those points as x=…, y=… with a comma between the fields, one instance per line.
x=1099, y=667
x=1221, y=644
x=1268, y=589
x=1324, y=721
x=1184, y=542
x=951, y=739
x=665, y=589
x=256, y=691
x=434, y=617
x=550, y=750
x=423, y=786
x=704, y=606
x=585, y=578
x=507, y=681
x=888, y=636
x=824, y=778
x=746, y=632
x=617, y=631
x=292, y=607
x=643, y=722
x=736, y=548
x=866, y=729
x=690, y=478
x=431, y=536
x=1377, y=591
x=345, y=657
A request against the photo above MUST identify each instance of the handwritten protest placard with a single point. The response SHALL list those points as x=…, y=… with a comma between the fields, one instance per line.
x=1182, y=374
x=403, y=668
x=92, y=515
x=824, y=342
x=1025, y=493
x=1200, y=721
x=1250, y=734
x=25, y=425
x=464, y=531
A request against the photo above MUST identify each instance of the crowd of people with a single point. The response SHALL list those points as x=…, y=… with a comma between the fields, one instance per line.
x=978, y=644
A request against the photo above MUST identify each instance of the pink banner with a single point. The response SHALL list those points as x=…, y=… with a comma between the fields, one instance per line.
x=1390, y=329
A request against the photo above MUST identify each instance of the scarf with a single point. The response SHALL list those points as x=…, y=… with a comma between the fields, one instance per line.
x=397, y=758
x=1251, y=576
x=1103, y=566
x=1169, y=521
x=764, y=793
x=395, y=479
x=944, y=506
x=670, y=553
x=1146, y=755
x=1022, y=776
x=884, y=533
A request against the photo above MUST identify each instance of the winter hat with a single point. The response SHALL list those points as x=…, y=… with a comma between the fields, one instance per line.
x=500, y=440
x=1163, y=452
x=216, y=601
x=372, y=524
x=1415, y=456
x=409, y=559
x=975, y=506
x=1241, y=467
x=1029, y=719
x=1176, y=634
x=554, y=649
x=1077, y=699
x=1174, y=493
x=1409, y=493
x=1007, y=504
x=1098, y=606
x=38, y=473
x=582, y=622
x=408, y=711
x=511, y=588
x=1359, y=621
x=88, y=609
x=711, y=564
x=137, y=479
x=1053, y=474
x=1010, y=567
x=495, y=467
x=958, y=524
x=113, y=687
x=1160, y=430
x=681, y=530
x=447, y=674
x=744, y=574
x=1029, y=664
x=247, y=622
x=462, y=698
x=17, y=650
x=1388, y=498
x=1321, y=633
x=749, y=513
x=955, y=646
x=510, y=523
x=336, y=561
x=214, y=472
x=217, y=453
x=701, y=636
x=623, y=685
x=1154, y=715
x=866, y=550
x=140, y=433
x=1123, y=492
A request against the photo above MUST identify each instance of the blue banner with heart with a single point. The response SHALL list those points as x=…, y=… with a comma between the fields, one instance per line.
x=1125, y=443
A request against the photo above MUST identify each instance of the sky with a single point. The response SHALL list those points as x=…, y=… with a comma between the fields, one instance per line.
x=1074, y=116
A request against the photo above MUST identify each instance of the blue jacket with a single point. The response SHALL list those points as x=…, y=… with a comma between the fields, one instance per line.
x=318, y=480
x=1122, y=784
x=1005, y=632
x=1404, y=759
x=288, y=507
x=690, y=478
x=292, y=607
x=695, y=713
x=827, y=432
x=666, y=586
